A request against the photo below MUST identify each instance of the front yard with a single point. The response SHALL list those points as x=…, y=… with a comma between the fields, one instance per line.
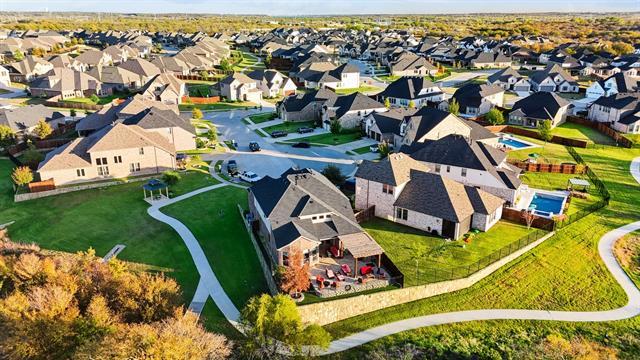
x=262, y=117
x=332, y=139
x=417, y=253
x=364, y=88
x=289, y=127
x=217, y=106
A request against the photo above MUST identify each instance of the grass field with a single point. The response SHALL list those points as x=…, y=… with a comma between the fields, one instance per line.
x=563, y=273
x=263, y=117
x=362, y=150
x=289, y=127
x=102, y=100
x=405, y=246
x=332, y=139
x=549, y=153
x=102, y=218
x=362, y=89
x=214, y=220
x=581, y=132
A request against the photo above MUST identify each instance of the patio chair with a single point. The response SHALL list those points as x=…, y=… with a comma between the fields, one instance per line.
x=346, y=270
x=366, y=270
x=330, y=273
x=335, y=252
x=319, y=279
x=339, y=277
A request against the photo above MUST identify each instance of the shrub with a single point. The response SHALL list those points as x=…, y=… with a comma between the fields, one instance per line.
x=32, y=157
x=94, y=98
x=200, y=143
x=42, y=129
x=22, y=175
x=197, y=114
x=495, y=117
x=171, y=177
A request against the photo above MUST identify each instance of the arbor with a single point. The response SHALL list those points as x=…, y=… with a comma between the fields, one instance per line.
x=273, y=322
x=334, y=174
x=42, y=129
x=495, y=117
x=7, y=136
x=197, y=114
x=22, y=175
x=454, y=107
x=335, y=127
x=296, y=276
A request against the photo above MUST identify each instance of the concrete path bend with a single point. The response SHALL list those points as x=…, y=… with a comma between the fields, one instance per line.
x=606, y=251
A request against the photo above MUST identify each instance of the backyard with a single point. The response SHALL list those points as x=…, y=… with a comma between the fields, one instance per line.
x=100, y=219
x=102, y=100
x=581, y=132
x=405, y=246
x=548, y=153
x=364, y=88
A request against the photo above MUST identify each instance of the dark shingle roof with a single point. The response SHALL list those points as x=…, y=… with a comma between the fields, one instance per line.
x=540, y=105
x=407, y=88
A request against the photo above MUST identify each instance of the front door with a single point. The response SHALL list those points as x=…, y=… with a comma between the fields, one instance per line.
x=448, y=229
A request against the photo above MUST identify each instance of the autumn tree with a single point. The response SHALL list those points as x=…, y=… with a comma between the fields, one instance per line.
x=7, y=136
x=387, y=103
x=454, y=107
x=412, y=104
x=197, y=114
x=22, y=175
x=18, y=55
x=42, y=129
x=296, y=275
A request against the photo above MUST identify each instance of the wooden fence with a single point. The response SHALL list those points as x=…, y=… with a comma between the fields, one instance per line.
x=539, y=222
x=366, y=214
x=39, y=144
x=550, y=168
x=38, y=186
x=534, y=134
x=602, y=128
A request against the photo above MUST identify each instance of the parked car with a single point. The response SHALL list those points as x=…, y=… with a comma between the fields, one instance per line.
x=249, y=176
x=254, y=146
x=232, y=167
x=304, y=130
x=277, y=134
x=301, y=145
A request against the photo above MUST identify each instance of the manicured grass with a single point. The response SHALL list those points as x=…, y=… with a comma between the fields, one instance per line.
x=633, y=137
x=581, y=132
x=362, y=89
x=405, y=246
x=100, y=219
x=362, y=150
x=4, y=91
x=549, y=153
x=214, y=220
x=199, y=90
x=332, y=139
x=571, y=96
x=388, y=78
x=214, y=321
x=262, y=117
x=563, y=273
x=102, y=100
x=289, y=127
x=217, y=106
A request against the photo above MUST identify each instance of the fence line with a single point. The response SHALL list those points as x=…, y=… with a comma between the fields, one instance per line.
x=263, y=256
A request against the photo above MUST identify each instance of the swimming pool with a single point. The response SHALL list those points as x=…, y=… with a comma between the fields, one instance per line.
x=513, y=143
x=547, y=205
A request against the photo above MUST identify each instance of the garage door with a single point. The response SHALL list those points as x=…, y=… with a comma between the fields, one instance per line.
x=547, y=88
x=521, y=88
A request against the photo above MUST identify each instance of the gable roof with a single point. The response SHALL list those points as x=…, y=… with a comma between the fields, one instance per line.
x=155, y=118
x=540, y=105
x=394, y=170
x=408, y=87
x=354, y=102
x=24, y=117
x=472, y=94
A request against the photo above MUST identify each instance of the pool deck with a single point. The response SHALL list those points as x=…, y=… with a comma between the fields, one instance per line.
x=530, y=145
x=526, y=196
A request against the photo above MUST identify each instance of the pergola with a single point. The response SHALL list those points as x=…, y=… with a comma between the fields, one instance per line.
x=361, y=245
x=155, y=185
x=578, y=182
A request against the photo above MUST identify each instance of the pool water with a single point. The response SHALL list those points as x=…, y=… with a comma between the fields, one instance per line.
x=513, y=143
x=547, y=204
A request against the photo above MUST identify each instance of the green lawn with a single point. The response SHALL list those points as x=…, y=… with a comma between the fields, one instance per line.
x=102, y=218
x=214, y=321
x=362, y=89
x=217, y=106
x=581, y=132
x=332, y=139
x=214, y=220
x=262, y=117
x=102, y=100
x=362, y=150
x=633, y=137
x=405, y=245
x=199, y=90
x=289, y=127
x=549, y=153
x=563, y=273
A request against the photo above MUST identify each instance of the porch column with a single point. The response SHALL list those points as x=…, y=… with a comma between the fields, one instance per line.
x=379, y=257
x=355, y=266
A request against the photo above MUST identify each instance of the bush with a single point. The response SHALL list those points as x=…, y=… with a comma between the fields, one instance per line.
x=32, y=157
x=94, y=98
x=171, y=177
x=200, y=143
x=197, y=114
x=21, y=176
x=494, y=117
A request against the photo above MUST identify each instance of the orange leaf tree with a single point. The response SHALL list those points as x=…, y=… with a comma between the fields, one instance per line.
x=296, y=275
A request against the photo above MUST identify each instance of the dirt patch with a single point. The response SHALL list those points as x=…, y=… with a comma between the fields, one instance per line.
x=627, y=252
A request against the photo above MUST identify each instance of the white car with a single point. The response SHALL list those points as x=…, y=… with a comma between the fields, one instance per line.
x=249, y=176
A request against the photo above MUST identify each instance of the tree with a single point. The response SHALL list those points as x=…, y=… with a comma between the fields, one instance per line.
x=42, y=129
x=412, y=104
x=335, y=127
x=212, y=134
x=72, y=112
x=528, y=216
x=273, y=322
x=94, y=98
x=225, y=65
x=204, y=75
x=494, y=117
x=22, y=175
x=267, y=60
x=7, y=136
x=18, y=55
x=621, y=48
x=544, y=131
x=171, y=177
x=39, y=52
x=334, y=174
x=384, y=149
x=296, y=275
x=454, y=107
x=32, y=157
x=387, y=103
x=197, y=114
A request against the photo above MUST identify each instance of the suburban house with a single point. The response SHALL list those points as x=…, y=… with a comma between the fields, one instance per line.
x=92, y=58
x=509, y=79
x=115, y=151
x=346, y=76
x=621, y=110
x=407, y=192
x=116, y=78
x=5, y=80
x=23, y=119
x=302, y=209
x=171, y=64
x=67, y=84
x=177, y=130
x=406, y=89
x=490, y=60
x=385, y=126
x=553, y=79
x=349, y=110
x=476, y=99
x=538, y=107
x=145, y=69
x=616, y=83
x=273, y=83
x=27, y=69
x=239, y=86
x=306, y=106
x=471, y=162
x=165, y=88
x=410, y=64
x=431, y=124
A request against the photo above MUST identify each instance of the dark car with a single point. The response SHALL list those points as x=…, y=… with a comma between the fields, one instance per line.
x=232, y=167
x=254, y=146
x=302, y=145
x=277, y=134
x=304, y=130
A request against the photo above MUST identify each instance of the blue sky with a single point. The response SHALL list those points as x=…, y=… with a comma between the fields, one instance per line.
x=323, y=7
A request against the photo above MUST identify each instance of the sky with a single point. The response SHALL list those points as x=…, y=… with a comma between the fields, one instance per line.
x=322, y=7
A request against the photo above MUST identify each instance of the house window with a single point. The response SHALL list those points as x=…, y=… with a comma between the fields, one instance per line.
x=314, y=218
x=101, y=161
x=437, y=168
x=134, y=167
x=285, y=258
x=402, y=214
x=117, y=159
x=387, y=189
x=80, y=172
x=448, y=168
x=141, y=152
x=103, y=170
x=463, y=172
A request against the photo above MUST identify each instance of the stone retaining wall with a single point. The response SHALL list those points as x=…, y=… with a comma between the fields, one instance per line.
x=266, y=269
x=327, y=312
